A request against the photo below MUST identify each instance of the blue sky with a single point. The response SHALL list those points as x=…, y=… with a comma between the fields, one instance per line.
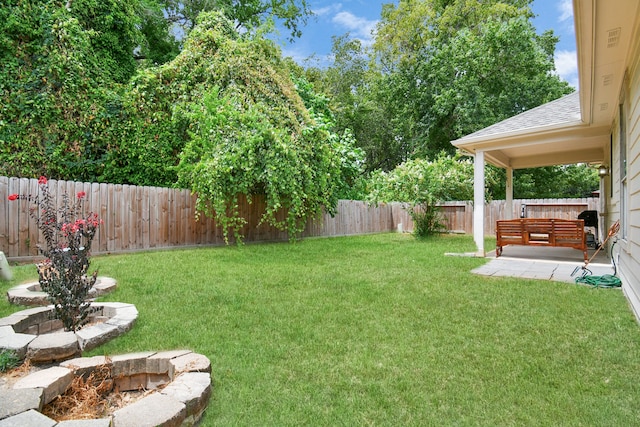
x=359, y=18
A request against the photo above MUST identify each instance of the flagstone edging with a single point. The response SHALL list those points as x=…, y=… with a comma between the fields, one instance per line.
x=183, y=380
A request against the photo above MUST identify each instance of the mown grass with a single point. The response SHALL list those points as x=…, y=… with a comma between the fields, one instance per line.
x=380, y=330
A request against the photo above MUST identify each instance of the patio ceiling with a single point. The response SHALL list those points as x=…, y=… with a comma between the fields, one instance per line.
x=577, y=127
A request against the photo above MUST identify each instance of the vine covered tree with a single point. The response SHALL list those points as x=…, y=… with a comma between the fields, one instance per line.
x=166, y=22
x=226, y=119
x=62, y=63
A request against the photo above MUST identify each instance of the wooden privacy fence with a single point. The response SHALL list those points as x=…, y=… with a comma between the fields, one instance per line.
x=143, y=218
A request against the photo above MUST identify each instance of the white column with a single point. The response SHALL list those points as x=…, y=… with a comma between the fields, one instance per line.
x=509, y=195
x=478, y=202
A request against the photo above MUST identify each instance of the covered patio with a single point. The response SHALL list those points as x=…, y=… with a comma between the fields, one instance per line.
x=576, y=128
x=551, y=134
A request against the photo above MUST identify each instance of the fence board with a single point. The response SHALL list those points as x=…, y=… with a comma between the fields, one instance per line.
x=35, y=235
x=4, y=213
x=139, y=218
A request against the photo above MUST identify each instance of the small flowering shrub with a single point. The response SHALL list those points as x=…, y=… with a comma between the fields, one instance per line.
x=68, y=236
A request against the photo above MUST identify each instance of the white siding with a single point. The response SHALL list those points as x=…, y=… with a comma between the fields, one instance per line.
x=627, y=251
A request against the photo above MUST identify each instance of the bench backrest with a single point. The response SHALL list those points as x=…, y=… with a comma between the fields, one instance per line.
x=548, y=228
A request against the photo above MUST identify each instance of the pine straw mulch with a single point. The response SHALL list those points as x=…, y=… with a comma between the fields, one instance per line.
x=86, y=398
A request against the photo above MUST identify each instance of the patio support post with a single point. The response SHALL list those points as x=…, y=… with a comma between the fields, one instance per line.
x=478, y=202
x=509, y=194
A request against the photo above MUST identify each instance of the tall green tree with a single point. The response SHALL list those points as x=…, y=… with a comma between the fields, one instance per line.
x=226, y=119
x=475, y=80
x=454, y=67
x=166, y=22
x=440, y=69
x=358, y=100
x=113, y=26
x=579, y=180
x=410, y=27
x=58, y=84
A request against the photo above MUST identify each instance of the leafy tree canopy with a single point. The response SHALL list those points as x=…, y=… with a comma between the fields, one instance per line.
x=442, y=179
x=439, y=69
x=166, y=22
x=60, y=64
x=225, y=118
x=447, y=178
x=423, y=184
x=412, y=27
x=475, y=80
x=553, y=182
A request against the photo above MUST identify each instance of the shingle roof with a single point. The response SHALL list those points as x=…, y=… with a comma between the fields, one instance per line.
x=562, y=110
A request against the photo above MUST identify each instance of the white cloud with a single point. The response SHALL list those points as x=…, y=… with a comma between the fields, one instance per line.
x=567, y=66
x=359, y=27
x=328, y=10
x=566, y=17
x=566, y=10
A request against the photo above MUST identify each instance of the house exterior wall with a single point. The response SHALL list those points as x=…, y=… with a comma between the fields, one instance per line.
x=626, y=251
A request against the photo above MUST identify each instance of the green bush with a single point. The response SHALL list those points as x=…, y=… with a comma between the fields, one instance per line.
x=427, y=220
x=423, y=184
x=8, y=360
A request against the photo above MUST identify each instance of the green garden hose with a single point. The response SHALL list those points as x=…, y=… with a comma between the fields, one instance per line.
x=604, y=281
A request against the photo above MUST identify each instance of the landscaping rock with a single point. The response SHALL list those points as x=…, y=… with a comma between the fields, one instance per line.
x=30, y=333
x=53, y=347
x=30, y=418
x=53, y=381
x=194, y=390
x=96, y=335
x=130, y=363
x=13, y=402
x=18, y=343
x=154, y=410
x=181, y=402
x=25, y=295
x=192, y=362
x=30, y=294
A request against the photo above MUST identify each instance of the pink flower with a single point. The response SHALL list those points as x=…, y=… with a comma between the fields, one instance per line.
x=13, y=197
x=42, y=180
x=81, y=194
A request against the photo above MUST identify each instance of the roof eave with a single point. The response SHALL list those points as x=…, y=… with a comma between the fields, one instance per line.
x=484, y=142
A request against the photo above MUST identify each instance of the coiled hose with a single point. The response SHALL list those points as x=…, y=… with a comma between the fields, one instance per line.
x=606, y=280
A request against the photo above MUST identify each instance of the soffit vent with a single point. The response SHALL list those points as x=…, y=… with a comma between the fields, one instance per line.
x=613, y=37
x=607, y=79
x=604, y=106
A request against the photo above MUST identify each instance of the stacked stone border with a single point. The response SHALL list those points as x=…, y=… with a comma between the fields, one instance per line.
x=31, y=294
x=185, y=377
x=29, y=332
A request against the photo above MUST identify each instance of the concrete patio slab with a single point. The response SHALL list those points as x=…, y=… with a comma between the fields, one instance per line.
x=545, y=263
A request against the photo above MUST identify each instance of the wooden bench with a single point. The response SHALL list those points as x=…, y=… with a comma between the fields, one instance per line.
x=566, y=233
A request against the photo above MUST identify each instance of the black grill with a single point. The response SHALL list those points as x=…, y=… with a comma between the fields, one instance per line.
x=590, y=220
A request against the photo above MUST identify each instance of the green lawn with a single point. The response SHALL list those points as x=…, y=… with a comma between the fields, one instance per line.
x=380, y=330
